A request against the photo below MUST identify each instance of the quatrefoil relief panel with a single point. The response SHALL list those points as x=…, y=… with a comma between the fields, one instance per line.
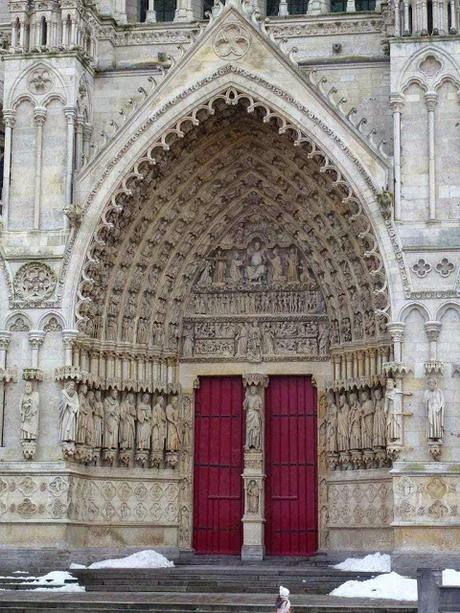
x=232, y=42
x=444, y=267
x=421, y=268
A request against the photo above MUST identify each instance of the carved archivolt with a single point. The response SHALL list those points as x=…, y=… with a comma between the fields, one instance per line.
x=226, y=168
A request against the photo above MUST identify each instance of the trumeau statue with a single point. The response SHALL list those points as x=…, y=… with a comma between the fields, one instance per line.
x=253, y=496
x=29, y=413
x=434, y=406
x=253, y=405
x=111, y=419
x=158, y=425
x=68, y=413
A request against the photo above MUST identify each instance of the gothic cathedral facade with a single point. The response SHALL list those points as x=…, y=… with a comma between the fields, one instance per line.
x=229, y=282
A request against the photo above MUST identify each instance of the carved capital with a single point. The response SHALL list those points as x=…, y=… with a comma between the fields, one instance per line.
x=431, y=100
x=69, y=336
x=9, y=118
x=39, y=116
x=435, y=449
x=395, y=369
x=396, y=330
x=434, y=367
x=8, y=375
x=432, y=330
x=5, y=337
x=396, y=103
x=36, y=338
x=65, y=373
x=255, y=379
x=32, y=374
x=70, y=114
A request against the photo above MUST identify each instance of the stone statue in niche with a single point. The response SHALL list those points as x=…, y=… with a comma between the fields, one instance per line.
x=331, y=424
x=367, y=408
x=256, y=268
x=434, y=406
x=253, y=496
x=159, y=426
x=127, y=430
x=29, y=410
x=343, y=435
x=268, y=339
x=253, y=405
x=173, y=438
x=111, y=419
x=98, y=417
x=241, y=339
x=277, y=267
x=355, y=418
x=379, y=431
x=394, y=411
x=323, y=341
x=85, y=421
x=144, y=423
x=68, y=413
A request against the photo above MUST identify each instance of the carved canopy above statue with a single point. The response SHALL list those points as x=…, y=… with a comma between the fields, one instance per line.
x=236, y=221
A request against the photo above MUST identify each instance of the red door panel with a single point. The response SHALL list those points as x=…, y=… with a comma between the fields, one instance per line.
x=290, y=466
x=218, y=500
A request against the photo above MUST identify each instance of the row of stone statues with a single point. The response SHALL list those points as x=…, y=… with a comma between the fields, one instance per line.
x=127, y=427
x=364, y=427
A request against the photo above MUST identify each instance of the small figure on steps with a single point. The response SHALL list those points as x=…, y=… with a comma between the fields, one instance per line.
x=282, y=603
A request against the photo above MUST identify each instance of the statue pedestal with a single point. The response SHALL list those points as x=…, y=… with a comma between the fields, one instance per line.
x=253, y=539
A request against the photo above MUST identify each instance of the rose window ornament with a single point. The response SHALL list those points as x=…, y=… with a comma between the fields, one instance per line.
x=421, y=268
x=34, y=282
x=40, y=82
x=444, y=267
x=231, y=42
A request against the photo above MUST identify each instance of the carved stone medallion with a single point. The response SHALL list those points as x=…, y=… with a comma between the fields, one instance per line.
x=232, y=42
x=34, y=282
x=40, y=81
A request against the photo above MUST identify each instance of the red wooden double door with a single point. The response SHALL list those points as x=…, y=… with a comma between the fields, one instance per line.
x=290, y=466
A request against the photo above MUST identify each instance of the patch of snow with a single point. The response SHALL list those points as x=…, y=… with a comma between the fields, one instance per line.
x=374, y=562
x=148, y=558
x=74, y=566
x=389, y=585
x=56, y=577
x=69, y=587
x=450, y=577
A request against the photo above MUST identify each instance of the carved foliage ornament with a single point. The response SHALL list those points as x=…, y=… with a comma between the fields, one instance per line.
x=40, y=81
x=34, y=282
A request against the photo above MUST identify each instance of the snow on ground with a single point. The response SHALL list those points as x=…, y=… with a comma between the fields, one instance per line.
x=374, y=562
x=389, y=585
x=69, y=587
x=149, y=558
x=450, y=577
x=53, y=582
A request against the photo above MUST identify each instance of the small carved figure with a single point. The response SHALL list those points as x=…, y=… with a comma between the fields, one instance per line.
x=127, y=432
x=29, y=413
x=254, y=342
x=256, y=268
x=98, y=418
x=220, y=269
x=379, y=437
x=253, y=406
x=188, y=341
x=434, y=406
x=323, y=341
x=367, y=408
x=277, y=267
x=206, y=276
x=253, y=494
x=158, y=425
x=144, y=423
x=242, y=340
x=235, y=268
x=68, y=413
x=293, y=265
x=111, y=420
x=331, y=423
x=269, y=340
x=173, y=439
x=343, y=435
